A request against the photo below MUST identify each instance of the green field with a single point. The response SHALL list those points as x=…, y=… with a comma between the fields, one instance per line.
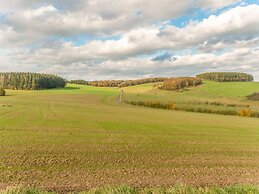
x=209, y=89
x=82, y=137
x=210, y=95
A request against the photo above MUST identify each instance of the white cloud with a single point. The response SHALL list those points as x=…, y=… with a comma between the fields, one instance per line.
x=233, y=24
x=227, y=41
x=42, y=11
x=244, y=60
x=95, y=16
x=236, y=25
x=92, y=17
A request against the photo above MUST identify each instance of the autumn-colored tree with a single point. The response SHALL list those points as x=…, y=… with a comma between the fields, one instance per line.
x=180, y=83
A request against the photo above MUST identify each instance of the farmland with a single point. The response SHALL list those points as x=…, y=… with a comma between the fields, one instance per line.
x=80, y=137
x=222, y=98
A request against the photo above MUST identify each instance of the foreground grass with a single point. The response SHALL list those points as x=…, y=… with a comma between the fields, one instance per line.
x=81, y=137
x=130, y=190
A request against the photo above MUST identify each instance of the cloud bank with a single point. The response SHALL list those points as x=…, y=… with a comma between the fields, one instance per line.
x=115, y=39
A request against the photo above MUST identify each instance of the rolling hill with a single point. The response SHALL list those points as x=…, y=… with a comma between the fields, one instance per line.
x=82, y=137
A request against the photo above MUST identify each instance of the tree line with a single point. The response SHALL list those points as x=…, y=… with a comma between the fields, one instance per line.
x=226, y=77
x=79, y=81
x=30, y=81
x=118, y=83
x=140, y=81
x=180, y=83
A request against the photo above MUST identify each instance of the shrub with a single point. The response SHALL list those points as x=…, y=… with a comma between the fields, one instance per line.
x=217, y=103
x=171, y=106
x=2, y=92
x=255, y=114
x=246, y=113
x=254, y=96
x=154, y=104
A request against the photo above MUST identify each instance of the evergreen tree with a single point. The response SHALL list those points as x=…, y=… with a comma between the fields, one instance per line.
x=226, y=77
x=30, y=81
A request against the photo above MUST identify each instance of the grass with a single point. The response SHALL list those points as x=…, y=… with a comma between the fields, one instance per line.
x=215, y=96
x=208, y=90
x=181, y=189
x=81, y=137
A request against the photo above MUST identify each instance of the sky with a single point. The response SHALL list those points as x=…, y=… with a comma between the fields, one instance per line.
x=129, y=39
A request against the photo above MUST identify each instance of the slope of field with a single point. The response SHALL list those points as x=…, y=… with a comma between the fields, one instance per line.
x=81, y=137
x=207, y=90
x=213, y=95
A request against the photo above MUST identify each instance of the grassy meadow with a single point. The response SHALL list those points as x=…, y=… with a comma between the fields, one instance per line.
x=82, y=137
x=221, y=96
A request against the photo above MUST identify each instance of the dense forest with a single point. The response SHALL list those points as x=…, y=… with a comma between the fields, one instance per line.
x=226, y=77
x=30, y=81
x=180, y=83
x=118, y=83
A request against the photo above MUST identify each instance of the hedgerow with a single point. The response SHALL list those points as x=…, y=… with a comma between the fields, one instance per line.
x=172, y=106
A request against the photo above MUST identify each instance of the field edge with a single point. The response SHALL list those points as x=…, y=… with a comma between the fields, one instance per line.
x=183, y=189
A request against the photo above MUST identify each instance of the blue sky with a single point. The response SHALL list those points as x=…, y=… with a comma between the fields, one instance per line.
x=127, y=39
